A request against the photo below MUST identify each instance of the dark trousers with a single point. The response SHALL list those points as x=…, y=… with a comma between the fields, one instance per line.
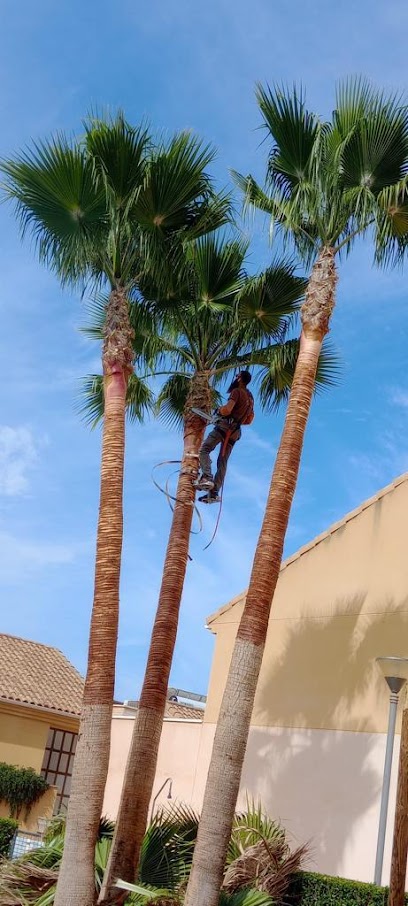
x=214, y=438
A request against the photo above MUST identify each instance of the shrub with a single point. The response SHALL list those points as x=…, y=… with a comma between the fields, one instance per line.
x=20, y=787
x=309, y=889
x=8, y=828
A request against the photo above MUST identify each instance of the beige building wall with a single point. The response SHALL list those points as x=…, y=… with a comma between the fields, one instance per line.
x=178, y=753
x=323, y=785
x=22, y=740
x=340, y=602
x=24, y=731
x=23, y=737
x=316, y=749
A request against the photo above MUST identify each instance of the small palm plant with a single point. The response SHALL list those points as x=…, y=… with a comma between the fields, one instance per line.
x=165, y=863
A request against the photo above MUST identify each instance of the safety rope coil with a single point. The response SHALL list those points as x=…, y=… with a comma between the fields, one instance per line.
x=171, y=499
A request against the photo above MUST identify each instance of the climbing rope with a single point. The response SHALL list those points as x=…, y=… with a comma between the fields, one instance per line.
x=216, y=523
x=171, y=499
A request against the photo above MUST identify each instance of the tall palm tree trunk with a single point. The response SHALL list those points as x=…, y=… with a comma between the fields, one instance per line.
x=76, y=882
x=142, y=759
x=235, y=715
x=400, y=836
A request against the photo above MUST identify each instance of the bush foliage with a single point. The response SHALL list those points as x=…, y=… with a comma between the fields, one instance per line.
x=309, y=889
x=20, y=787
x=8, y=827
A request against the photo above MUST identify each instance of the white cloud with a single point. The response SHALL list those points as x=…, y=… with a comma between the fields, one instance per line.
x=255, y=440
x=400, y=397
x=18, y=456
x=22, y=557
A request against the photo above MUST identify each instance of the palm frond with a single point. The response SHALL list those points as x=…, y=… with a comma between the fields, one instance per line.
x=249, y=826
x=91, y=400
x=172, y=398
x=209, y=215
x=375, y=156
x=268, y=303
x=247, y=897
x=119, y=154
x=167, y=849
x=175, y=184
x=254, y=195
x=144, y=893
x=139, y=399
x=329, y=369
x=354, y=99
x=293, y=129
x=95, y=309
x=325, y=180
x=277, y=370
x=56, y=200
x=216, y=270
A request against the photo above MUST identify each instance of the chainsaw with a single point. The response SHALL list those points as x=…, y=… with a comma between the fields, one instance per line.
x=211, y=419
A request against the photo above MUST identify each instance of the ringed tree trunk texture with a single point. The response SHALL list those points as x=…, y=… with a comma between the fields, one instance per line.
x=76, y=882
x=142, y=759
x=234, y=719
x=400, y=841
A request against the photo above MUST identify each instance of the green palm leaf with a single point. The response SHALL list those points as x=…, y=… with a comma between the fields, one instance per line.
x=247, y=897
x=167, y=849
x=293, y=130
x=216, y=272
x=139, y=399
x=324, y=181
x=146, y=894
x=175, y=184
x=249, y=827
x=375, y=155
x=55, y=196
x=278, y=363
x=171, y=400
x=268, y=303
x=119, y=153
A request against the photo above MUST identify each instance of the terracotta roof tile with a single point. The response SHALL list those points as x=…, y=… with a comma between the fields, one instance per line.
x=183, y=712
x=38, y=675
x=174, y=710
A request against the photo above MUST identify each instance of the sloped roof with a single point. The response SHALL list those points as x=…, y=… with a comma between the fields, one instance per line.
x=183, y=712
x=36, y=674
x=174, y=710
x=317, y=540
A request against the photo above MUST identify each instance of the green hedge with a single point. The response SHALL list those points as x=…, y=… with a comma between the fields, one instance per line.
x=309, y=889
x=8, y=828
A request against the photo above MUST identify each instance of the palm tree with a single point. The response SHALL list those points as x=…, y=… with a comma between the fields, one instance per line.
x=215, y=321
x=105, y=210
x=323, y=186
x=392, y=246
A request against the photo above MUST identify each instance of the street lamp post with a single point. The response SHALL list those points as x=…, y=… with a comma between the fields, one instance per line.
x=169, y=794
x=395, y=672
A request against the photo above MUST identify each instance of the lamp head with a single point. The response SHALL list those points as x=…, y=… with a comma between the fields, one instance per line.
x=394, y=671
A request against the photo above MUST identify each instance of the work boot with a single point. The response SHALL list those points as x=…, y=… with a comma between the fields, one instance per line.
x=211, y=497
x=205, y=483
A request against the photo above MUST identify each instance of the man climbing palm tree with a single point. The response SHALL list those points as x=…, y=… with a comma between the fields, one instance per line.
x=239, y=410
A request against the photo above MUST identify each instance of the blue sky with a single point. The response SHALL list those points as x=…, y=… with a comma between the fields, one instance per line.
x=180, y=64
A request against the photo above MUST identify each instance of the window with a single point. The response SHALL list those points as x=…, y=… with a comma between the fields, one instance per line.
x=57, y=765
